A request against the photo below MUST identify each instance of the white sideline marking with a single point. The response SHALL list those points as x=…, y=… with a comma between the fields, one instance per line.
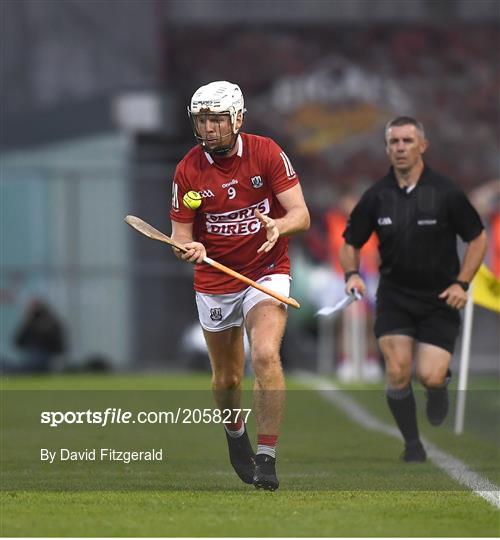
x=452, y=466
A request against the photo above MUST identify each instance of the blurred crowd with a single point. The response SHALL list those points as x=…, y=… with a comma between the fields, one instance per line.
x=326, y=97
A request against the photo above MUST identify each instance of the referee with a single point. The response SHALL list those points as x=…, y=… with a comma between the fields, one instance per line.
x=416, y=214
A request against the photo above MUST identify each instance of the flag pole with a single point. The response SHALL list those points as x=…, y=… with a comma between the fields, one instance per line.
x=464, y=363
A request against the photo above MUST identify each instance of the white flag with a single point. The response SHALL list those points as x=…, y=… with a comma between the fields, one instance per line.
x=340, y=305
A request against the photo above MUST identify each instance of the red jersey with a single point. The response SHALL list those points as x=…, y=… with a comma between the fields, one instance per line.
x=232, y=189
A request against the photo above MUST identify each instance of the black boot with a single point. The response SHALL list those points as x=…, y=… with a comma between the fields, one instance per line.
x=242, y=456
x=265, y=473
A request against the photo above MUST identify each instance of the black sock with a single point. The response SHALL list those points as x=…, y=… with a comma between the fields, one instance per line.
x=403, y=408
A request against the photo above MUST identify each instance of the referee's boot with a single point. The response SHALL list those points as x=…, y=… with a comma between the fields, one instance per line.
x=265, y=473
x=438, y=402
x=241, y=456
x=414, y=453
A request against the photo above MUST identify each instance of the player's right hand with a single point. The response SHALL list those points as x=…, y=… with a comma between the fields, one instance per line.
x=272, y=232
x=195, y=253
x=355, y=282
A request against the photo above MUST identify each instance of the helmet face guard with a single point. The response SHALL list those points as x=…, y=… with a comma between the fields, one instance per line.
x=214, y=112
x=223, y=130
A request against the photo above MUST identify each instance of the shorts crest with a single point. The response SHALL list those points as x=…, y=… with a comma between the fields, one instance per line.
x=216, y=314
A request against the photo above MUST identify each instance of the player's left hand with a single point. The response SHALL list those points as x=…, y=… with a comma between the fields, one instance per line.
x=455, y=296
x=272, y=232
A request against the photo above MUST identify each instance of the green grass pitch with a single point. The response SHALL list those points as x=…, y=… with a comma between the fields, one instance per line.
x=337, y=479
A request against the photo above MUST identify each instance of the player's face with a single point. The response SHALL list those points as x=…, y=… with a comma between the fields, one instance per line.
x=405, y=146
x=214, y=129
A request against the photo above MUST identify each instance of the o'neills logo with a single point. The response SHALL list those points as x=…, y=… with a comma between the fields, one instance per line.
x=238, y=222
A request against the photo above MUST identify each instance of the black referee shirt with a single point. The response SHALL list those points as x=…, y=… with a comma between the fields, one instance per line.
x=417, y=231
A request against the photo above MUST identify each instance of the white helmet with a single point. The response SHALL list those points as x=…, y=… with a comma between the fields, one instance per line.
x=219, y=97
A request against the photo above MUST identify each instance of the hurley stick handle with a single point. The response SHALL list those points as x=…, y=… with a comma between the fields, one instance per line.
x=145, y=228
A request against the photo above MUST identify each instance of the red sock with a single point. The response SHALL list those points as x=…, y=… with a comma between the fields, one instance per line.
x=236, y=426
x=267, y=440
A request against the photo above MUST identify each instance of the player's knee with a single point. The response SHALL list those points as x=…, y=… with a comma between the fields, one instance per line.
x=264, y=358
x=225, y=381
x=398, y=376
x=433, y=379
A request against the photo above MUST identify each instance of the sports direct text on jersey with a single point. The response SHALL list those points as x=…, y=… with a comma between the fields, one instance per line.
x=237, y=222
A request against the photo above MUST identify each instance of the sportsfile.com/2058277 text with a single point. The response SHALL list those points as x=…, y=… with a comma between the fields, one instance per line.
x=114, y=415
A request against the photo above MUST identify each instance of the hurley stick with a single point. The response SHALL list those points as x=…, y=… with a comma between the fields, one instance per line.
x=146, y=229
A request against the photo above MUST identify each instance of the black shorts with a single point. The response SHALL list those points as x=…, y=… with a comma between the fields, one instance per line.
x=423, y=317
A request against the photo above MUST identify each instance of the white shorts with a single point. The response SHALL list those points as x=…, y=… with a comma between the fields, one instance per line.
x=218, y=312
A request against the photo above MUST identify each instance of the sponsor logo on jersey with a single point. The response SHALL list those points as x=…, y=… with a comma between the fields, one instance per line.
x=239, y=222
x=427, y=221
x=216, y=314
x=206, y=193
x=257, y=182
x=229, y=184
x=384, y=221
